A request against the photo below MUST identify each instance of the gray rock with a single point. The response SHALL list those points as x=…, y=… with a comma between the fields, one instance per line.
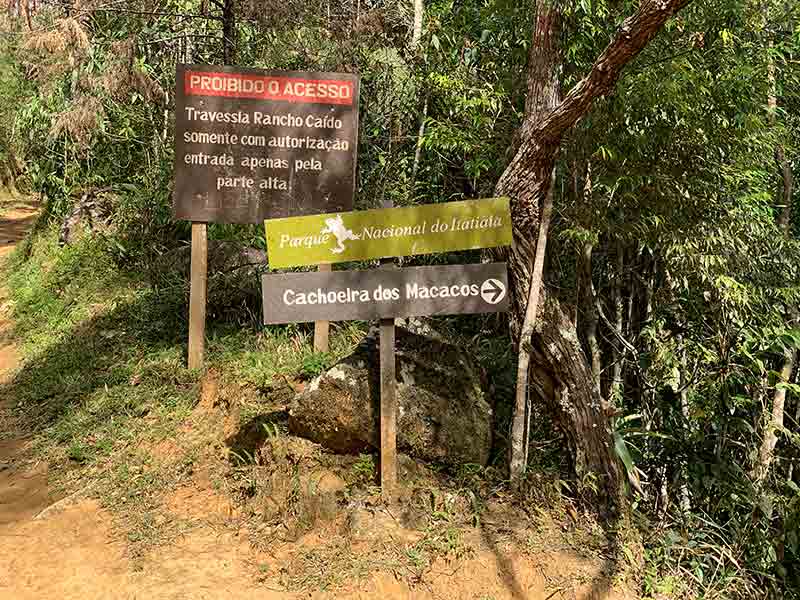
x=443, y=414
x=234, y=278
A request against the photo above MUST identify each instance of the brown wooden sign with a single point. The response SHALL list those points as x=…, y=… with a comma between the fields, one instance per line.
x=385, y=293
x=253, y=144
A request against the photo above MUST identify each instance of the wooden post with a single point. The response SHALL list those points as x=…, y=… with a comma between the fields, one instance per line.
x=197, y=295
x=322, y=328
x=388, y=411
x=388, y=400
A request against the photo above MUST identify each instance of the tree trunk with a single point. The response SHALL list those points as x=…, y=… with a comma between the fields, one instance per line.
x=416, y=33
x=27, y=9
x=589, y=314
x=521, y=424
x=542, y=98
x=418, y=149
x=683, y=394
x=785, y=215
x=618, y=353
x=11, y=166
x=229, y=32
x=587, y=299
x=560, y=374
x=774, y=420
x=419, y=11
x=785, y=169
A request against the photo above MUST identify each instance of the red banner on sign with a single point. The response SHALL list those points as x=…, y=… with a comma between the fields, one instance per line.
x=286, y=89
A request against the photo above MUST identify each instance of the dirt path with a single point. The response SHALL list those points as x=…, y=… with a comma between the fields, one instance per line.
x=71, y=554
x=23, y=488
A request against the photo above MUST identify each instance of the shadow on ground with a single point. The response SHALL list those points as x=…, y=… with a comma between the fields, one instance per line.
x=251, y=436
x=576, y=569
x=136, y=344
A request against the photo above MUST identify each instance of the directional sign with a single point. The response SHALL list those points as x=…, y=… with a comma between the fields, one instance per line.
x=252, y=144
x=385, y=293
x=387, y=232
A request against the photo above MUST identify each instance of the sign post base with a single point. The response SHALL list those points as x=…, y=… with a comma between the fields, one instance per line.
x=322, y=328
x=197, y=296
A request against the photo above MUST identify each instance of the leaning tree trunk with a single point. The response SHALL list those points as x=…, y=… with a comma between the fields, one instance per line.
x=559, y=372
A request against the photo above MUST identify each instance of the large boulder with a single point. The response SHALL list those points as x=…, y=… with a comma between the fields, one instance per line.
x=443, y=415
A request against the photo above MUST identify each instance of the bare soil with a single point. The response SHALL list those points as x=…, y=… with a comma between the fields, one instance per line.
x=23, y=487
x=78, y=550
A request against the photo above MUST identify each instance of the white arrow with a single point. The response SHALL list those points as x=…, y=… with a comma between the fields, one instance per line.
x=493, y=291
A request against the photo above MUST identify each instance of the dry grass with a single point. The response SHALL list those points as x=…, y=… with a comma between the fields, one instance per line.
x=67, y=39
x=123, y=77
x=80, y=121
x=51, y=53
x=334, y=564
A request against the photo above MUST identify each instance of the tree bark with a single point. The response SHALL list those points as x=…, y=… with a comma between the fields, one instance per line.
x=542, y=98
x=418, y=149
x=11, y=166
x=785, y=215
x=774, y=421
x=419, y=11
x=27, y=9
x=416, y=32
x=618, y=354
x=590, y=314
x=683, y=394
x=560, y=372
x=229, y=32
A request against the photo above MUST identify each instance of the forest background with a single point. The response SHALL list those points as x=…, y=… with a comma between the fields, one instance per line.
x=672, y=251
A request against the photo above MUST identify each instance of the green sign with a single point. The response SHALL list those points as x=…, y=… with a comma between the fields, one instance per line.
x=387, y=232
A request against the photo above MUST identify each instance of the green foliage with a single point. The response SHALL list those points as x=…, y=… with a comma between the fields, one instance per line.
x=315, y=364
x=364, y=468
x=683, y=192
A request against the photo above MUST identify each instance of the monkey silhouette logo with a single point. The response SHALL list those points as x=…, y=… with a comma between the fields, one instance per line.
x=335, y=226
